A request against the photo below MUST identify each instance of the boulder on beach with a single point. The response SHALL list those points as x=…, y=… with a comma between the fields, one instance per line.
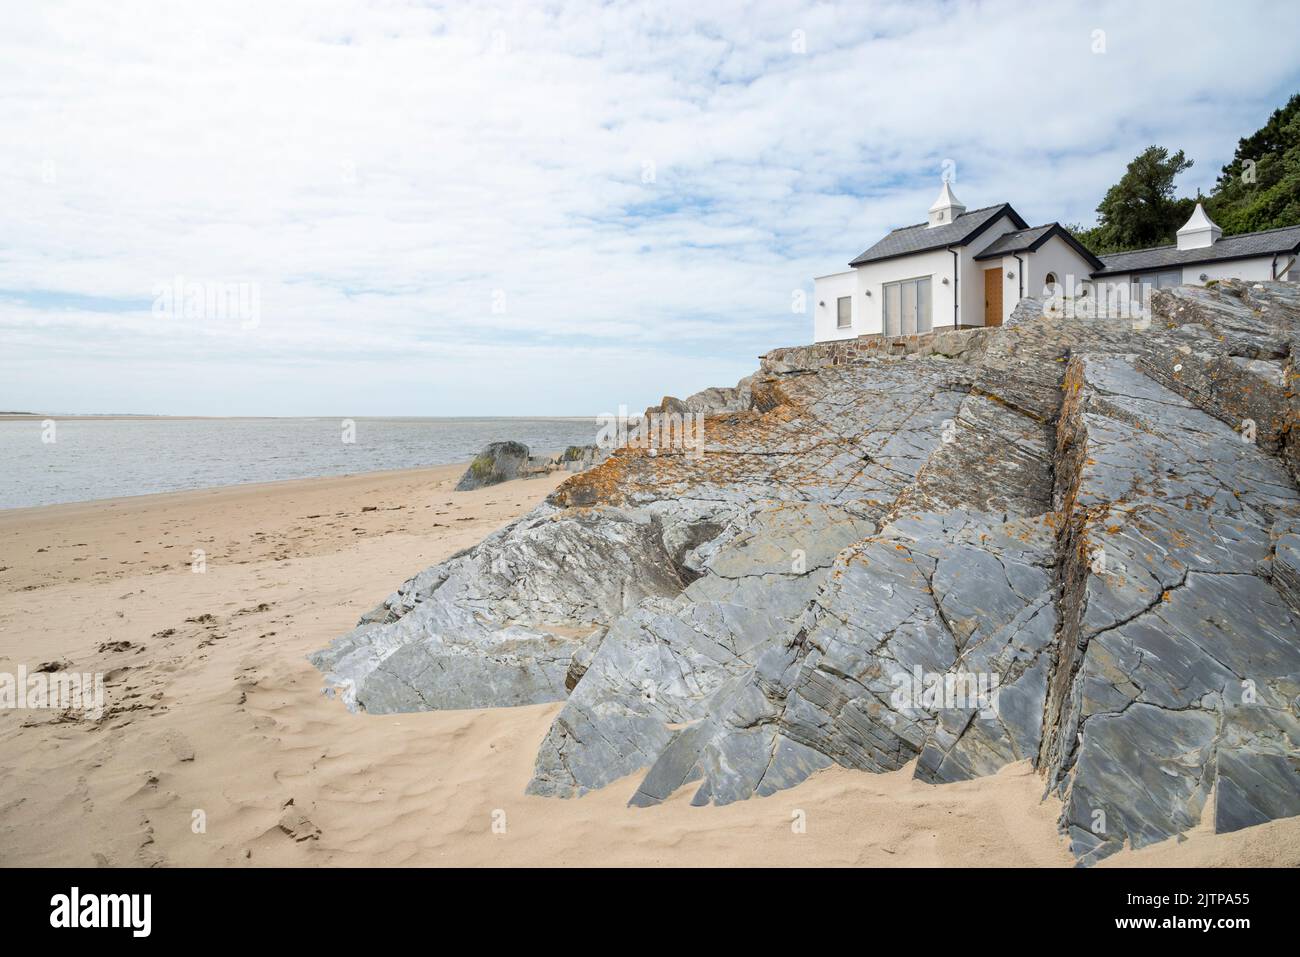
x=498, y=462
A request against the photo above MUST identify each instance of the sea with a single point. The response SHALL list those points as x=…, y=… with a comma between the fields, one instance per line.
x=48, y=461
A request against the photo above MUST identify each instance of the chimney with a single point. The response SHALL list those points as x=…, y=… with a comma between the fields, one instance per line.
x=946, y=208
x=1199, y=231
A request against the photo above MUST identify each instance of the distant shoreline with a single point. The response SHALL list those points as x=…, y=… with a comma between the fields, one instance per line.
x=67, y=460
x=318, y=482
x=29, y=416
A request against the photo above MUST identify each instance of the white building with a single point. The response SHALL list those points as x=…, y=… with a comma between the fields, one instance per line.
x=965, y=268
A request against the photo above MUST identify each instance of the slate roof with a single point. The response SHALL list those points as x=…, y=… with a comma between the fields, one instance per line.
x=922, y=237
x=1269, y=242
x=1027, y=240
x=1015, y=242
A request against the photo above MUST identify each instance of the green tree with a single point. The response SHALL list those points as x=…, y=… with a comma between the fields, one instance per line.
x=1260, y=187
x=1141, y=209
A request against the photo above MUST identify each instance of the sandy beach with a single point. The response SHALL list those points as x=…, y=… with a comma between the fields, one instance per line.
x=219, y=748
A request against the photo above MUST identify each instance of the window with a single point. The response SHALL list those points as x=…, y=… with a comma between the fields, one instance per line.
x=1155, y=280
x=1159, y=280
x=844, y=314
x=923, y=305
x=907, y=306
x=1049, y=280
x=893, y=295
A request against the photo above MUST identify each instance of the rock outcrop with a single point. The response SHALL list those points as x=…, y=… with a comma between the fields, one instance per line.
x=1178, y=658
x=503, y=461
x=737, y=398
x=498, y=462
x=1070, y=540
x=497, y=625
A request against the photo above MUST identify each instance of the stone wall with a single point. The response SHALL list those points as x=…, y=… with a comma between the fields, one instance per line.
x=949, y=342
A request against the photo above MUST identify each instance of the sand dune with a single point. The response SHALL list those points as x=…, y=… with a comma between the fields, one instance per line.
x=215, y=718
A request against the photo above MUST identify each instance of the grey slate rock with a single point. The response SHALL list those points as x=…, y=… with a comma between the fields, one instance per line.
x=1170, y=615
x=1064, y=505
x=662, y=664
x=517, y=605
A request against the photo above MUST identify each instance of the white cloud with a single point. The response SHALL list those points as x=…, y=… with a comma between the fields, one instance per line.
x=387, y=171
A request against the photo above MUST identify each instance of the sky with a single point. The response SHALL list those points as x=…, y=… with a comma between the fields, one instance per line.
x=382, y=207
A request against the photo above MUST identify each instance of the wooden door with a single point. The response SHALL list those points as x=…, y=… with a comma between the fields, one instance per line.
x=993, y=297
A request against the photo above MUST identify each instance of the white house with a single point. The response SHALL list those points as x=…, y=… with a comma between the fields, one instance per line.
x=965, y=268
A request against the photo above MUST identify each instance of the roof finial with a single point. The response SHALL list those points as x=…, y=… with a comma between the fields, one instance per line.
x=946, y=208
x=1199, y=231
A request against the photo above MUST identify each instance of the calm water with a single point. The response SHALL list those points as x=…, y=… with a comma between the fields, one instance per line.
x=92, y=459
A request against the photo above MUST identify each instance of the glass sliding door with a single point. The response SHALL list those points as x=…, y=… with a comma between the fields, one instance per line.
x=893, y=297
x=907, y=307
x=1145, y=282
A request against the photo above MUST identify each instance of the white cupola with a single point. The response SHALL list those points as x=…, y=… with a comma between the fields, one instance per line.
x=1199, y=231
x=946, y=208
